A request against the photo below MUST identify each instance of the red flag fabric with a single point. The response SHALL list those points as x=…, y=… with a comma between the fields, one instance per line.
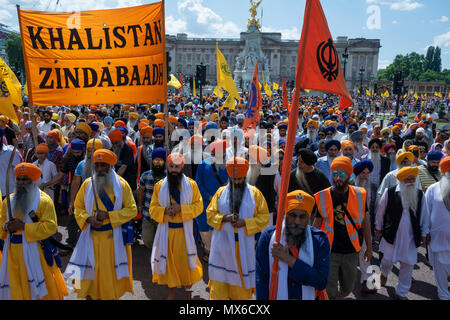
x=181, y=81
x=320, y=66
x=254, y=103
x=285, y=96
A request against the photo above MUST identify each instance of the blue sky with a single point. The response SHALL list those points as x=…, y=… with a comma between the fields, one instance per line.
x=402, y=26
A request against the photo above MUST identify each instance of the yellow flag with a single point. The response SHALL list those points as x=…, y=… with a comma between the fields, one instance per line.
x=174, y=82
x=218, y=92
x=307, y=90
x=266, y=87
x=275, y=86
x=359, y=92
x=386, y=94
x=416, y=96
x=230, y=103
x=10, y=92
x=260, y=86
x=368, y=92
x=382, y=95
x=193, y=87
x=373, y=92
x=405, y=95
x=224, y=76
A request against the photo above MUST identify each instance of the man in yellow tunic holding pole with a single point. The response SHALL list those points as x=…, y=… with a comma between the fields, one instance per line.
x=237, y=212
x=176, y=201
x=28, y=270
x=102, y=257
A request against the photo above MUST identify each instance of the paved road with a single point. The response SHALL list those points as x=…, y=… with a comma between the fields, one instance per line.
x=423, y=285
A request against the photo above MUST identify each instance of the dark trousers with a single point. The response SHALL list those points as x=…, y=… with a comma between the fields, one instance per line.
x=73, y=230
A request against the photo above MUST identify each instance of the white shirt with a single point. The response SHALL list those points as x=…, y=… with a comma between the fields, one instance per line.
x=434, y=115
x=5, y=154
x=44, y=127
x=49, y=171
x=404, y=248
x=435, y=220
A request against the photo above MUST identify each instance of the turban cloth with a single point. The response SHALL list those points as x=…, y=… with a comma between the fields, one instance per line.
x=125, y=107
x=313, y=122
x=196, y=140
x=299, y=200
x=159, y=131
x=341, y=128
x=240, y=116
x=346, y=144
x=98, y=144
x=308, y=156
x=181, y=114
x=105, y=156
x=190, y=111
x=385, y=130
x=282, y=125
x=71, y=117
x=434, y=155
x=331, y=143
x=176, y=158
x=211, y=125
x=115, y=135
x=173, y=120
x=159, y=115
x=404, y=155
x=159, y=123
x=141, y=108
x=214, y=117
x=361, y=166
x=182, y=122
x=405, y=172
x=3, y=118
x=420, y=130
x=375, y=140
x=258, y=153
x=28, y=169
x=55, y=117
x=133, y=115
x=356, y=135
x=414, y=148
x=108, y=119
x=353, y=124
x=343, y=163
x=389, y=146
x=94, y=126
x=218, y=145
x=42, y=147
x=159, y=153
x=123, y=130
x=330, y=128
x=54, y=134
x=77, y=144
x=28, y=125
x=147, y=130
x=241, y=166
x=119, y=123
x=83, y=126
x=445, y=165
x=142, y=124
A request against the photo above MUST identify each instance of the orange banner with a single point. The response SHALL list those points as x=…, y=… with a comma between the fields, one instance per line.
x=95, y=57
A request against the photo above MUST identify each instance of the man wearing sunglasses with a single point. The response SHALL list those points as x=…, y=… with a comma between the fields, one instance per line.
x=342, y=215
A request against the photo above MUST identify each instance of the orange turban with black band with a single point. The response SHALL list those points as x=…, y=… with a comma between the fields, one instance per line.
x=105, y=156
x=42, y=147
x=176, y=158
x=28, y=169
x=343, y=163
x=240, y=165
x=445, y=165
x=405, y=172
x=299, y=200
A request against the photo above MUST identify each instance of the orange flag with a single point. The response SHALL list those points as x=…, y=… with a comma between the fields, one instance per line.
x=285, y=97
x=320, y=66
x=254, y=103
x=318, y=69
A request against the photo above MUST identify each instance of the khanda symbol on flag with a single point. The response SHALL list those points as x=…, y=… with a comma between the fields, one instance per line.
x=328, y=61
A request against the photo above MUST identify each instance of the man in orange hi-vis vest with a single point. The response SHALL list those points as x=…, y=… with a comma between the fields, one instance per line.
x=342, y=215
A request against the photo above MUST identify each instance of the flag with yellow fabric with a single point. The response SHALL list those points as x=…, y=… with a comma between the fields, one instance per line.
x=266, y=87
x=224, y=76
x=193, y=87
x=368, y=93
x=386, y=94
x=174, y=82
x=416, y=96
x=10, y=92
x=307, y=90
x=405, y=95
x=229, y=102
x=275, y=86
x=218, y=92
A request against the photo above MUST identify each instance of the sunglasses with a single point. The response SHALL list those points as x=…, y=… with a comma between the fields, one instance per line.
x=342, y=174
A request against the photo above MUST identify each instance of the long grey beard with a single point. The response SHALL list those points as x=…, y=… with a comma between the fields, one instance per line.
x=253, y=174
x=22, y=199
x=295, y=236
x=146, y=153
x=409, y=196
x=445, y=189
x=117, y=150
x=87, y=169
x=300, y=175
x=359, y=146
x=238, y=194
x=103, y=181
x=312, y=135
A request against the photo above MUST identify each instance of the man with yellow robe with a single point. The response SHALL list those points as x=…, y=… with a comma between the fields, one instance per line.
x=232, y=258
x=176, y=201
x=101, y=259
x=28, y=269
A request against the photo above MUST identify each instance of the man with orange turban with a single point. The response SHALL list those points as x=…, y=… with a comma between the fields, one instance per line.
x=101, y=261
x=47, y=167
x=398, y=222
x=435, y=225
x=176, y=202
x=342, y=214
x=237, y=212
x=308, y=262
x=29, y=271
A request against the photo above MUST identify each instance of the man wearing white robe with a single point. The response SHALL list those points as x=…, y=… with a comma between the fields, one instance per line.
x=435, y=224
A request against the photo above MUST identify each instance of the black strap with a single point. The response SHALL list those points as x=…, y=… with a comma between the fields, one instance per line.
x=216, y=174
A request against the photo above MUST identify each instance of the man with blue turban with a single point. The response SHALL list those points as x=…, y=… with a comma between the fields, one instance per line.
x=430, y=173
x=332, y=148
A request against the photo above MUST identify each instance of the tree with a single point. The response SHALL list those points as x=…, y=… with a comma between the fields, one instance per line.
x=429, y=58
x=429, y=75
x=13, y=48
x=437, y=62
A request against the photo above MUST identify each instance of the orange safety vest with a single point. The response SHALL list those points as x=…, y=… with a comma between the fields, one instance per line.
x=355, y=206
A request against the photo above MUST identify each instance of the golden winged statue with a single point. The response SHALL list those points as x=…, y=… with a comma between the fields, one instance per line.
x=253, y=12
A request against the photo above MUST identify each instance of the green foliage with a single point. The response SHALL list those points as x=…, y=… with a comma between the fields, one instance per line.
x=13, y=48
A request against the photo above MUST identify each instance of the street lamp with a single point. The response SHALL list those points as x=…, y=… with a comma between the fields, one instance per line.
x=361, y=72
x=344, y=58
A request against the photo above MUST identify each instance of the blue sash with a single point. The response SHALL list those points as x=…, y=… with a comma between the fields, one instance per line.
x=175, y=193
x=127, y=227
